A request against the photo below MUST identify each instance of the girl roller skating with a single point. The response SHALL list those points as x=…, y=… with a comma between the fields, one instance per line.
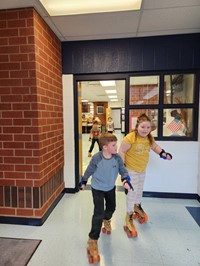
x=134, y=151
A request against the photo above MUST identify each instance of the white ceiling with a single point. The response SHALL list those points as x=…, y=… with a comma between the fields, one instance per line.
x=94, y=92
x=156, y=17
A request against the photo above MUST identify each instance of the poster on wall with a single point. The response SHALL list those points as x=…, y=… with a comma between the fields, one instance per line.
x=133, y=122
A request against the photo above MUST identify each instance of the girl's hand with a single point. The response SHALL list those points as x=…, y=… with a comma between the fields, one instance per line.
x=165, y=155
x=168, y=156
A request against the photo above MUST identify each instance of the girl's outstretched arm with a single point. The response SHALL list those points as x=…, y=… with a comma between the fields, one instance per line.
x=163, y=154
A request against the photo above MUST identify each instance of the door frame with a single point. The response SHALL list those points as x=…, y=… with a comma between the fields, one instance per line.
x=91, y=77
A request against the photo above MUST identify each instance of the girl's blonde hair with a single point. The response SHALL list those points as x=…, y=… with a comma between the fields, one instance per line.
x=140, y=119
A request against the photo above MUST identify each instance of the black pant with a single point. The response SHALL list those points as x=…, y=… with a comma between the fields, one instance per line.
x=101, y=213
x=92, y=144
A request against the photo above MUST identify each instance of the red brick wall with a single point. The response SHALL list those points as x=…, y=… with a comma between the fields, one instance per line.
x=31, y=117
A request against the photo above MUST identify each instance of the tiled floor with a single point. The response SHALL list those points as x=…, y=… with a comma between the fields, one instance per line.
x=171, y=237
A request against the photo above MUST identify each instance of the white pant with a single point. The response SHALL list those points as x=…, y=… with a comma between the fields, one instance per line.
x=135, y=196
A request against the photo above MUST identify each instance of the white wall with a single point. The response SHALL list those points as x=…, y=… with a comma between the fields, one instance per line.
x=116, y=104
x=180, y=175
x=116, y=116
x=69, y=143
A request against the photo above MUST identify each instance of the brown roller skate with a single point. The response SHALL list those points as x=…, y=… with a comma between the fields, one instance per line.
x=140, y=214
x=130, y=228
x=92, y=251
x=106, y=227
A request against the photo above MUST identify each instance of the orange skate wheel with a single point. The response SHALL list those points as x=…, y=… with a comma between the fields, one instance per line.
x=96, y=259
x=129, y=233
x=103, y=230
x=125, y=228
x=90, y=260
x=135, y=215
x=134, y=233
x=143, y=219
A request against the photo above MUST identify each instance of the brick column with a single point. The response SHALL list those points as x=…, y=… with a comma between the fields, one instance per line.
x=31, y=117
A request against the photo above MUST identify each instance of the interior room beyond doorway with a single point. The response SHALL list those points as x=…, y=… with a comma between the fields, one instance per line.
x=99, y=101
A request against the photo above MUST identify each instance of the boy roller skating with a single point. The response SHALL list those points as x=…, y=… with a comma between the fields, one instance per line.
x=134, y=151
x=104, y=168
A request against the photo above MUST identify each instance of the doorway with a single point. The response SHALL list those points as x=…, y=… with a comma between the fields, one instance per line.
x=116, y=115
x=97, y=100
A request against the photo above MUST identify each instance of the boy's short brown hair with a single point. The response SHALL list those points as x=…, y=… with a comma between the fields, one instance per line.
x=106, y=138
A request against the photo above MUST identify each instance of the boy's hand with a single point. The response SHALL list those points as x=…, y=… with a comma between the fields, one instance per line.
x=82, y=184
x=127, y=184
x=89, y=138
x=82, y=187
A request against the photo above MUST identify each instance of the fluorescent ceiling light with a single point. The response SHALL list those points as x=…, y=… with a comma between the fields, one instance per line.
x=112, y=96
x=71, y=7
x=107, y=83
x=114, y=100
x=110, y=91
x=84, y=101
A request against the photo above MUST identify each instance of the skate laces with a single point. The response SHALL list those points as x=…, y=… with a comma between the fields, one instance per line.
x=140, y=207
x=130, y=216
x=107, y=224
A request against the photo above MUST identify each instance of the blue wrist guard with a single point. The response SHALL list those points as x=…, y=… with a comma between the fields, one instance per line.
x=164, y=157
x=82, y=182
x=128, y=181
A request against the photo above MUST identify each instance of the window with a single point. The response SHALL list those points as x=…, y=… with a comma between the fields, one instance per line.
x=169, y=101
x=178, y=122
x=179, y=89
x=100, y=110
x=144, y=90
x=152, y=114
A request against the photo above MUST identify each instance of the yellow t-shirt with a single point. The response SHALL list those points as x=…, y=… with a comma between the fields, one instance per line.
x=137, y=157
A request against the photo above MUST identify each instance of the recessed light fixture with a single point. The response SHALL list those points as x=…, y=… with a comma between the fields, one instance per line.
x=110, y=91
x=107, y=83
x=72, y=7
x=112, y=96
x=114, y=100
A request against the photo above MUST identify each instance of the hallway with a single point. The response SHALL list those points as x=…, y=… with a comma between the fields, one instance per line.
x=169, y=238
